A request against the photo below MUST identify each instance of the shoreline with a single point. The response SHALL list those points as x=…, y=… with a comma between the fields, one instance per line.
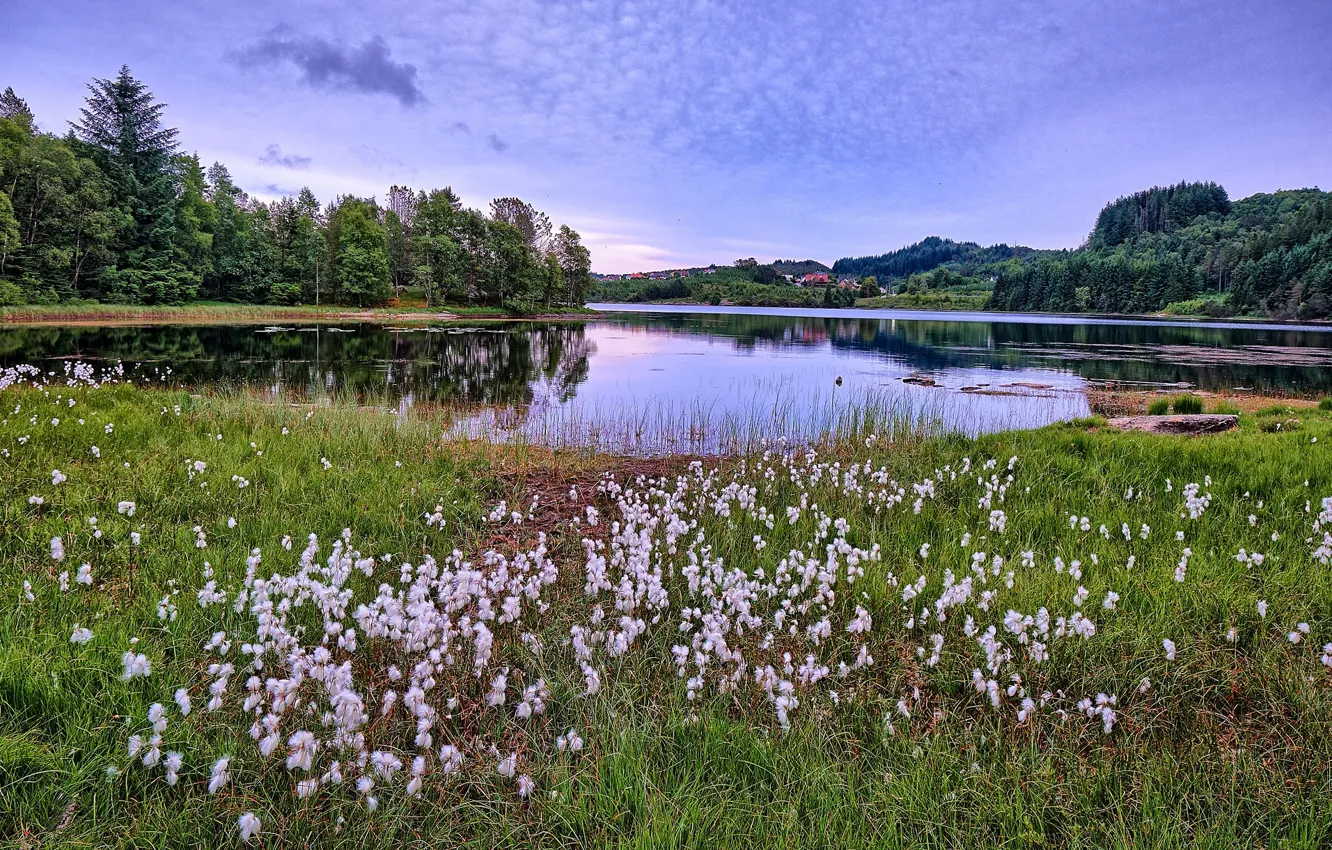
x=258, y=314
x=255, y=314
x=1156, y=318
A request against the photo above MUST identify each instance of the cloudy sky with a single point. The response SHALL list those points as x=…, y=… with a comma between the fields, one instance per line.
x=682, y=133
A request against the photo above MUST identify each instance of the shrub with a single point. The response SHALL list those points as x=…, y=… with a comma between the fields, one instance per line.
x=1325, y=404
x=1160, y=407
x=1187, y=404
x=10, y=294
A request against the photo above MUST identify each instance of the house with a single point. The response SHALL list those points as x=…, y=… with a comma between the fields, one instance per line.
x=816, y=277
x=636, y=276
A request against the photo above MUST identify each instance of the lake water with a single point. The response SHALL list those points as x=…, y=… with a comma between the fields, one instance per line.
x=673, y=378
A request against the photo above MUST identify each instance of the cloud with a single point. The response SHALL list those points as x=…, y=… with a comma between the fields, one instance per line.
x=497, y=144
x=460, y=127
x=273, y=155
x=275, y=189
x=380, y=160
x=325, y=65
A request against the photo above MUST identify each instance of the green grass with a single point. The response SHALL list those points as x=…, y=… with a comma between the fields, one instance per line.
x=926, y=301
x=1226, y=408
x=1159, y=407
x=215, y=311
x=1186, y=404
x=1229, y=747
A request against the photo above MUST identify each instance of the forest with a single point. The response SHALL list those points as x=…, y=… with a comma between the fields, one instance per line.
x=114, y=211
x=966, y=258
x=1187, y=249
x=746, y=283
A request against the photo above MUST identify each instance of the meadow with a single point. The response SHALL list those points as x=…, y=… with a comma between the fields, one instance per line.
x=227, y=623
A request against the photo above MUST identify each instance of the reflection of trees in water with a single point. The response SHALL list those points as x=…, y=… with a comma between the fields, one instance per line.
x=497, y=364
x=514, y=363
x=1112, y=351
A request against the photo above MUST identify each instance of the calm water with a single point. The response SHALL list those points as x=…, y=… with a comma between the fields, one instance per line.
x=674, y=376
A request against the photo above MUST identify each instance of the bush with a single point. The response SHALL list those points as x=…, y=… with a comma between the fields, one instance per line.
x=10, y=294
x=1160, y=407
x=1325, y=404
x=1211, y=306
x=1187, y=404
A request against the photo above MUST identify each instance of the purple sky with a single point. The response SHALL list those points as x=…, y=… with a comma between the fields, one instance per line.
x=683, y=133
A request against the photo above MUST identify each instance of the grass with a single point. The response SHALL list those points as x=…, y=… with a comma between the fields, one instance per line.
x=1186, y=404
x=220, y=312
x=946, y=301
x=1159, y=407
x=1228, y=747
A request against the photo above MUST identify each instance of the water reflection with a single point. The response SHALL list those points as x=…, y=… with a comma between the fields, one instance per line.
x=658, y=379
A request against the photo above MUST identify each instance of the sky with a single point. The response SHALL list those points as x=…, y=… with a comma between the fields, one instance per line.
x=674, y=134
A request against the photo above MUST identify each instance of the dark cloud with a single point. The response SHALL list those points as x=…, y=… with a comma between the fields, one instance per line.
x=497, y=144
x=323, y=64
x=273, y=155
x=460, y=127
x=275, y=189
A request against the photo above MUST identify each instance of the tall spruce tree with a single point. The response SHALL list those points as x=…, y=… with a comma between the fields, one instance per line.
x=122, y=129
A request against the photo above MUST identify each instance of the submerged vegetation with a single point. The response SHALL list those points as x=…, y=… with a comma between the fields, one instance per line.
x=232, y=621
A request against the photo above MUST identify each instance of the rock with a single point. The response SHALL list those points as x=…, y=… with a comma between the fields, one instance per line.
x=920, y=381
x=1197, y=423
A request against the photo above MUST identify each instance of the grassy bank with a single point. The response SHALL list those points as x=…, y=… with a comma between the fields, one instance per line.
x=222, y=313
x=760, y=651
x=925, y=301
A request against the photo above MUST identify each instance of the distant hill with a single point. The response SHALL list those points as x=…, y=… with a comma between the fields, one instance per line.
x=1188, y=249
x=927, y=255
x=798, y=267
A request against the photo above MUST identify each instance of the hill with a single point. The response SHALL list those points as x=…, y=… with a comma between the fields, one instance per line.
x=967, y=258
x=798, y=267
x=1188, y=249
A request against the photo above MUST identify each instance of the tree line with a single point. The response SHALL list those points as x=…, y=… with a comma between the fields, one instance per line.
x=115, y=211
x=1187, y=249
x=926, y=255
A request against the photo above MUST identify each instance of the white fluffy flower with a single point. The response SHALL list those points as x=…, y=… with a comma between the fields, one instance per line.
x=249, y=826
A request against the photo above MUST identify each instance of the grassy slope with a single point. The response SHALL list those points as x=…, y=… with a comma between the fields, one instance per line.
x=1230, y=747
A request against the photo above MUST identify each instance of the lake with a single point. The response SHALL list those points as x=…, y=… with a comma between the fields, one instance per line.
x=691, y=378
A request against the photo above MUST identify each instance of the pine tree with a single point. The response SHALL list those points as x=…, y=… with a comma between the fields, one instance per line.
x=123, y=131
